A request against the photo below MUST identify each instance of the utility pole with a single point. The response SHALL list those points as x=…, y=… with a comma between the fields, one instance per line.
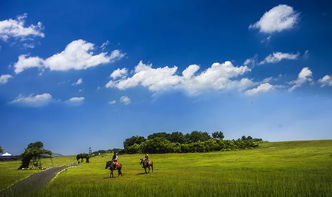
x=90, y=150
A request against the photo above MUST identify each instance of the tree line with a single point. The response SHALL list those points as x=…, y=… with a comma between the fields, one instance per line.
x=177, y=142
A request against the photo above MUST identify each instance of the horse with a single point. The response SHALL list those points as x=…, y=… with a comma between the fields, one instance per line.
x=118, y=167
x=146, y=164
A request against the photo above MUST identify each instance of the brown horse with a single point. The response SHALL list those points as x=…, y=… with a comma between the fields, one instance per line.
x=112, y=167
x=146, y=164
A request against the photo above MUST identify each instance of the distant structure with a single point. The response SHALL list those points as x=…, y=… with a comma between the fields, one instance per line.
x=6, y=154
x=90, y=150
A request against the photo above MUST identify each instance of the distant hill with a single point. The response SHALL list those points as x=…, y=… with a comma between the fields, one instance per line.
x=57, y=155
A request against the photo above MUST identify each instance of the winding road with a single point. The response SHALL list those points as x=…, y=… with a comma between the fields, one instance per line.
x=33, y=183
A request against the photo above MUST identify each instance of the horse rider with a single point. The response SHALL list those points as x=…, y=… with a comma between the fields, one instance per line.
x=115, y=159
x=146, y=158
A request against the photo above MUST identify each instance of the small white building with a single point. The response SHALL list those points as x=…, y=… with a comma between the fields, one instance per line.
x=6, y=154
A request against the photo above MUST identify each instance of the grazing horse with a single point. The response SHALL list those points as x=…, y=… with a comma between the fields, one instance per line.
x=112, y=167
x=146, y=164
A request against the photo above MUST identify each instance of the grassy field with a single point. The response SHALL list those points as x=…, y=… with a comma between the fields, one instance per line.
x=9, y=173
x=302, y=168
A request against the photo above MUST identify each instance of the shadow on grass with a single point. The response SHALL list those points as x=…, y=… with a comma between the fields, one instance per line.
x=142, y=173
x=107, y=177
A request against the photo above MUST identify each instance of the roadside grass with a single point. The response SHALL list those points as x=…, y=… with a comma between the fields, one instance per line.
x=9, y=174
x=297, y=168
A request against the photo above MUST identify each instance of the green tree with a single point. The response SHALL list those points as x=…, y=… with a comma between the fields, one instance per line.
x=38, y=145
x=246, y=138
x=218, y=135
x=177, y=137
x=159, y=134
x=157, y=145
x=133, y=140
x=32, y=154
x=1, y=149
x=136, y=148
x=197, y=136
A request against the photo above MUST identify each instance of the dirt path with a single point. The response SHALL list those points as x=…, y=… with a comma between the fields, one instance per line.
x=33, y=183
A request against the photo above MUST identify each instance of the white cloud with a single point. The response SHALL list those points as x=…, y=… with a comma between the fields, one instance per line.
x=262, y=88
x=304, y=76
x=217, y=77
x=125, y=100
x=118, y=73
x=112, y=102
x=277, y=19
x=155, y=79
x=28, y=45
x=326, y=81
x=25, y=62
x=268, y=79
x=15, y=28
x=4, y=78
x=105, y=44
x=190, y=71
x=78, y=82
x=75, y=101
x=33, y=100
x=278, y=56
x=249, y=61
x=77, y=55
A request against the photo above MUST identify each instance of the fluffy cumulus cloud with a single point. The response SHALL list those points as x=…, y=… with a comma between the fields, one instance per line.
x=33, y=100
x=78, y=82
x=16, y=28
x=75, y=101
x=303, y=77
x=278, y=56
x=326, y=80
x=125, y=100
x=4, y=78
x=118, y=73
x=25, y=62
x=277, y=19
x=262, y=88
x=77, y=55
x=220, y=76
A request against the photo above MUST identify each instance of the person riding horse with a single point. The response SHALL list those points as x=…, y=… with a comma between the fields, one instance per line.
x=115, y=159
x=146, y=163
x=146, y=158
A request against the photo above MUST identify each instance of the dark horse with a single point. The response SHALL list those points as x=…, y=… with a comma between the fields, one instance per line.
x=118, y=167
x=146, y=164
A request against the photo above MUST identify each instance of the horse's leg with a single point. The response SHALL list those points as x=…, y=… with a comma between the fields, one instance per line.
x=145, y=170
x=152, y=167
x=111, y=175
x=149, y=170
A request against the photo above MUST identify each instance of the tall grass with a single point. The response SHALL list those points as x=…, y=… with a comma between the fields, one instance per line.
x=301, y=168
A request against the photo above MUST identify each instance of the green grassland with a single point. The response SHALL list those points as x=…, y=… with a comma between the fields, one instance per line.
x=302, y=168
x=9, y=173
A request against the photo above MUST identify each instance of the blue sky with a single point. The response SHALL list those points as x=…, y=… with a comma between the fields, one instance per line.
x=75, y=74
